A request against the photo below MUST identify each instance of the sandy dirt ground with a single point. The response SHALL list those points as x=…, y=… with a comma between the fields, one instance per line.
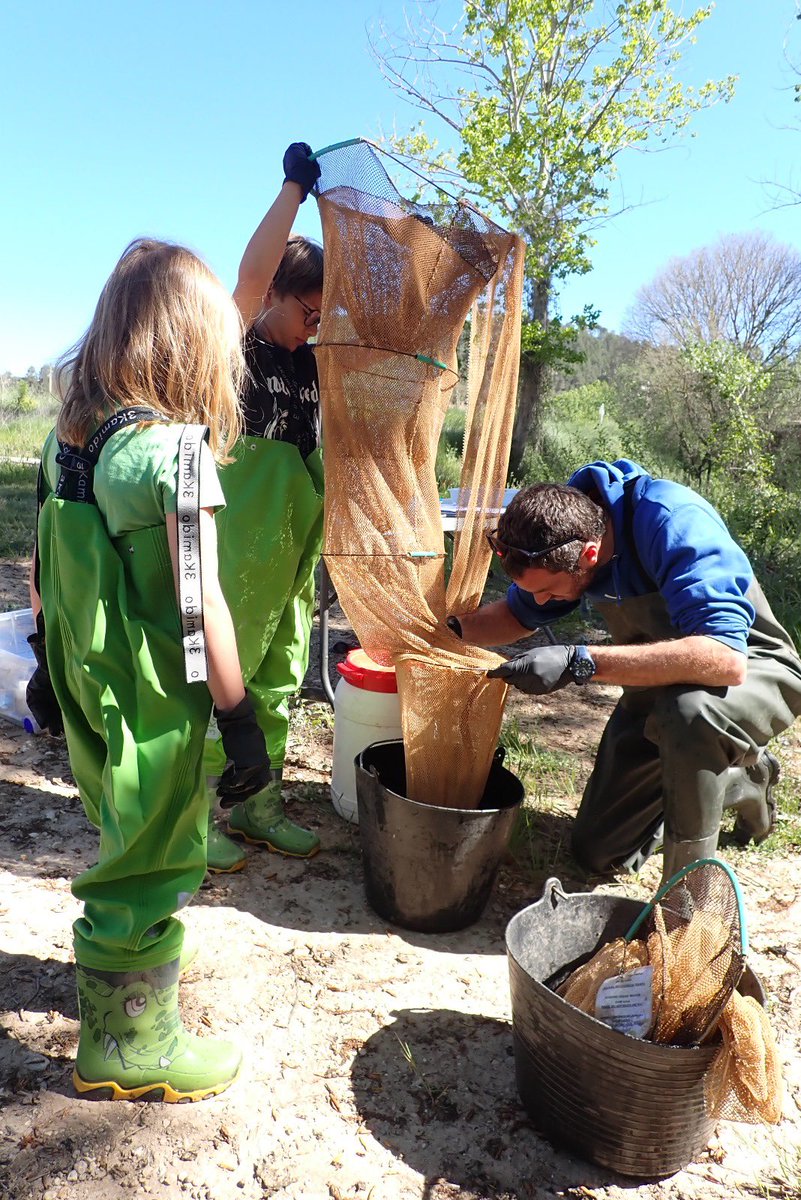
x=378, y=1062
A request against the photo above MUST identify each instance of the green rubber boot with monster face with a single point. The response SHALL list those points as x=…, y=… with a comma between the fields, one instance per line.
x=133, y=1045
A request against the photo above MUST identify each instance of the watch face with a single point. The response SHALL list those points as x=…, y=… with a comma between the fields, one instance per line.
x=582, y=667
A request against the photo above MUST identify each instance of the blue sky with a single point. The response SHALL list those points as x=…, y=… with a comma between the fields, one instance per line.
x=170, y=118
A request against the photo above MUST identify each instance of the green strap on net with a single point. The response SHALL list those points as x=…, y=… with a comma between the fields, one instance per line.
x=334, y=146
x=677, y=878
x=433, y=362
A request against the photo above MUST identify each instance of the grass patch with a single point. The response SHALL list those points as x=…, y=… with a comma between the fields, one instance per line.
x=23, y=436
x=311, y=715
x=541, y=837
x=785, y=841
x=544, y=773
x=18, y=509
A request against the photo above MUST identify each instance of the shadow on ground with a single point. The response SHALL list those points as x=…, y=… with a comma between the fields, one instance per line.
x=464, y=1099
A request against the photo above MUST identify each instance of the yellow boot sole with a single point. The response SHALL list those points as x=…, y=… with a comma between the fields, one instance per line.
x=163, y=1093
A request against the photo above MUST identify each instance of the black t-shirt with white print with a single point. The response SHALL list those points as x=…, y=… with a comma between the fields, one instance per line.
x=281, y=400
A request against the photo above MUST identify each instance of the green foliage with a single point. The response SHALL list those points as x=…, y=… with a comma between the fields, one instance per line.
x=601, y=355
x=556, y=343
x=765, y=521
x=27, y=414
x=450, y=450
x=23, y=436
x=729, y=384
x=18, y=506
x=453, y=428
x=702, y=417
x=448, y=469
x=24, y=399
x=701, y=410
x=577, y=428
x=565, y=97
x=556, y=90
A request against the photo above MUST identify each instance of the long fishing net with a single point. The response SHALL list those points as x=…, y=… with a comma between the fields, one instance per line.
x=692, y=939
x=401, y=279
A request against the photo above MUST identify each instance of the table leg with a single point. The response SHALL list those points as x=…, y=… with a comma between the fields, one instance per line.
x=327, y=598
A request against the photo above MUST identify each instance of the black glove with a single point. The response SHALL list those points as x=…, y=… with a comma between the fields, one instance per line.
x=541, y=670
x=39, y=694
x=248, y=769
x=300, y=168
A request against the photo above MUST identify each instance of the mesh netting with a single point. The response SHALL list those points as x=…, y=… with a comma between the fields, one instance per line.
x=401, y=279
x=693, y=938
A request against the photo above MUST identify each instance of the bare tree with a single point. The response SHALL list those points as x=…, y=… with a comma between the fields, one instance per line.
x=787, y=193
x=745, y=290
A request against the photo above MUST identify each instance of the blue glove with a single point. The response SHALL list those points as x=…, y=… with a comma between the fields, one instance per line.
x=300, y=168
x=541, y=670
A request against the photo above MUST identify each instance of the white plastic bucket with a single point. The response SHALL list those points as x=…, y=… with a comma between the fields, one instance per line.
x=366, y=710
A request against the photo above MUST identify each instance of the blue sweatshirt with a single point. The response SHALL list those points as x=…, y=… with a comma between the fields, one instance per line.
x=683, y=545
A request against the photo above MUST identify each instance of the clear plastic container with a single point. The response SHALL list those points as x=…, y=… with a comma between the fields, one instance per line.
x=366, y=710
x=17, y=664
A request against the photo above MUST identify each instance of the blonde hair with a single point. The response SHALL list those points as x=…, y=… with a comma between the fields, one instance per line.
x=165, y=333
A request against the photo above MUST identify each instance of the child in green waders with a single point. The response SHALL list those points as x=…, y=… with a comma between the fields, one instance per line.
x=128, y=490
x=271, y=529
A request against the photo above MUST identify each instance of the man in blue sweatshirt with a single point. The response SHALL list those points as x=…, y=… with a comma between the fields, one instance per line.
x=708, y=674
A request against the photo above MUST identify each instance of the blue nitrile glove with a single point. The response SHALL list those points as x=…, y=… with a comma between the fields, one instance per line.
x=248, y=769
x=300, y=168
x=539, y=671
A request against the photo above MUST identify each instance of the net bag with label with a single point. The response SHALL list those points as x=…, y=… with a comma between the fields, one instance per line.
x=401, y=279
x=693, y=938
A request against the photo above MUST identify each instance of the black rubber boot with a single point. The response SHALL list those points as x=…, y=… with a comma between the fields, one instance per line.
x=652, y=844
x=756, y=816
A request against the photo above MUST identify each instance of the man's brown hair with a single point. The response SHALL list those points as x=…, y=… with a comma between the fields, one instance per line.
x=545, y=515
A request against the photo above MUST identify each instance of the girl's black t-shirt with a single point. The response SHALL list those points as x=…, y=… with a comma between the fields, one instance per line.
x=281, y=400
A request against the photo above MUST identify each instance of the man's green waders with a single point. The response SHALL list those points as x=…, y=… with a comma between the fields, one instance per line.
x=683, y=752
x=135, y=731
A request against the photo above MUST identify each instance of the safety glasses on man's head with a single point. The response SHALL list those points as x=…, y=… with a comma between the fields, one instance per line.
x=502, y=548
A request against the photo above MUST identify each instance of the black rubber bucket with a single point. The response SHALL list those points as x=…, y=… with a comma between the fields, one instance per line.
x=627, y=1104
x=425, y=867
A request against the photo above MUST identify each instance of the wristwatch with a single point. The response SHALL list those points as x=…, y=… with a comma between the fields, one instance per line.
x=582, y=665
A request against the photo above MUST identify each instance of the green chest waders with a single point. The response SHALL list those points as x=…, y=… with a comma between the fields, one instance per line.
x=134, y=727
x=682, y=752
x=270, y=538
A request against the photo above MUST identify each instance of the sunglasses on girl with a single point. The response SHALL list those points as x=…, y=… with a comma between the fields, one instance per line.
x=502, y=548
x=311, y=316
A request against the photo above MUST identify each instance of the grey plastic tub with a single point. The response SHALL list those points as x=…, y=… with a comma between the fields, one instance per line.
x=627, y=1104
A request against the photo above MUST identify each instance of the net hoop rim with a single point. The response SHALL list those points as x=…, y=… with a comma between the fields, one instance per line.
x=677, y=878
